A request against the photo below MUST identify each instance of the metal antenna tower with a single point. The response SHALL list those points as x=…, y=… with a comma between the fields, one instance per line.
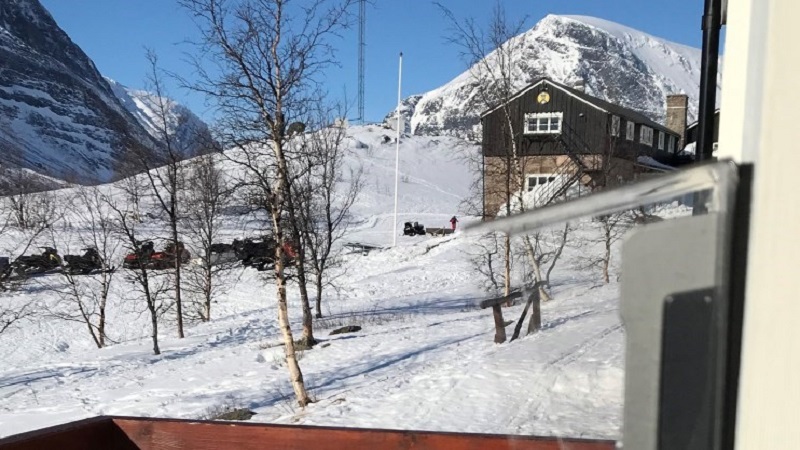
x=362, y=18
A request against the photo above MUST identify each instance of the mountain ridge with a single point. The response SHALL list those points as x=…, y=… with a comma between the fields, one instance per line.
x=613, y=62
x=58, y=115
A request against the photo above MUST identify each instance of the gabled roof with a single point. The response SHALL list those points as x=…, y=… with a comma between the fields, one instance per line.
x=595, y=102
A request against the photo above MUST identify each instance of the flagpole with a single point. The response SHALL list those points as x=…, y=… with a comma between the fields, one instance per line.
x=397, y=150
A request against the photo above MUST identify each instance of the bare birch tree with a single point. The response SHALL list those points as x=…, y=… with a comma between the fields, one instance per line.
x=164, y=172
x=266, y=56
x=325, y=195
x=205, y=203
x=10, y=314
x=149, y=285
x=84, y=296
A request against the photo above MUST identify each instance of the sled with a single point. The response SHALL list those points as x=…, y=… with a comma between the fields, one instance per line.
x=439, y=231
x=364, y=249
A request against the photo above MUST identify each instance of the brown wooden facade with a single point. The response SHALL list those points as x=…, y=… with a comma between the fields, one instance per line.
x=586, y=126
x=593, y=137
x=130, y=433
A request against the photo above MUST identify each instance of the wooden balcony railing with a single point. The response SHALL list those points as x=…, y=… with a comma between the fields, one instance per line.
x=130, y=433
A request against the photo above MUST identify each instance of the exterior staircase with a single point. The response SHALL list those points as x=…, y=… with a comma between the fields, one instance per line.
x=570, y=171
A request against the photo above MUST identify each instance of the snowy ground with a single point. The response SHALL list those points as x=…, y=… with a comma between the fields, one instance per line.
x=423, y=360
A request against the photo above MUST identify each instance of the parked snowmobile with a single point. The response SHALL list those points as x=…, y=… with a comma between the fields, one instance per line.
x=47, y=261
x=260, y=253
x=5, y=267
x=257, y=253
x=220, y=254
x=142, y=256
x=89, y=262
x=413, y=229
x=166, y=259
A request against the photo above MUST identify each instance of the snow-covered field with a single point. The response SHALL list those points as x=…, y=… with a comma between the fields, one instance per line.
x=423, y=360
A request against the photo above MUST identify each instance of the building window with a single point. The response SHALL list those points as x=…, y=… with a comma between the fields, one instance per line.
x=543, y=123
x=615, y=125
x=661, y=140
x=630, y=131
x=646, y=135
x=671, y=144
x=537, y=179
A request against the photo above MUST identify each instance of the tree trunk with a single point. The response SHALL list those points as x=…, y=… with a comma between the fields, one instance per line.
x=537, y=268
x=101, y=327
x=154, y=321
x=607, y=255
x=295, y=374
x=208, y=287
x=507, y=256
x=308, y=318
x=178, y=302
x=93, y=333
x=318, y=286
x=151, y=306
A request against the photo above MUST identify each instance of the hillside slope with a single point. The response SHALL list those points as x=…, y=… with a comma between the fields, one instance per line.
x=424, y=358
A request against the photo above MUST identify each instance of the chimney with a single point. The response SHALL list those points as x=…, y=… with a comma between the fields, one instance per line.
x=677, y=108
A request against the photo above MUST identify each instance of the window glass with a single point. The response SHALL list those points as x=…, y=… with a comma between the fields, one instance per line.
x=631, y=128
x=542, y=124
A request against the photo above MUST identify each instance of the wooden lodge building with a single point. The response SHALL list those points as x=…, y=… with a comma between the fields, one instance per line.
x=563, y=136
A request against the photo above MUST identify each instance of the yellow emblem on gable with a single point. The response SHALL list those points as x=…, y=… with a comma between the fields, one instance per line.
x=544, y=97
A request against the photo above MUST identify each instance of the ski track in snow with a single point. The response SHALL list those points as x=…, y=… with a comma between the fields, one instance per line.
x=425, y=358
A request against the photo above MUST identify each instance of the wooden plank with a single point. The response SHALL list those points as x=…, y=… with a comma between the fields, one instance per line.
x=98, y=433
x=173, y=434
x=536, y=313
x=500, y=300
x=499, y=324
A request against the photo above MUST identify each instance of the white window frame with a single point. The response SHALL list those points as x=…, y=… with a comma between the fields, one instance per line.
x=549, y=178
x=646, y=135
x=615, y=125
x=661, y=136
x=544, y=123
x=630, y=130
x=671, y=144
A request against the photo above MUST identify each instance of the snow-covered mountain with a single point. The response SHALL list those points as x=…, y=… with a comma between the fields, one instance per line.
x=612, y=61
x=58, y=116
x=189, y=131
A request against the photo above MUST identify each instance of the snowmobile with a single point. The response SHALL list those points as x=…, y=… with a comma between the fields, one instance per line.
x=220, y=254
x=47, y=261
x=5, y=267
x=257, y=253
x=166, y=259
x=260, y=253
x=414, y=229
x=89, y=262
x=142, y=256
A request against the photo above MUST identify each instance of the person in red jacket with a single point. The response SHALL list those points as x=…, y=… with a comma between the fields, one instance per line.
x=453, y=222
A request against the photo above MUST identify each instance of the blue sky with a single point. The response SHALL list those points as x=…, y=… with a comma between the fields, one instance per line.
x=114, y=34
